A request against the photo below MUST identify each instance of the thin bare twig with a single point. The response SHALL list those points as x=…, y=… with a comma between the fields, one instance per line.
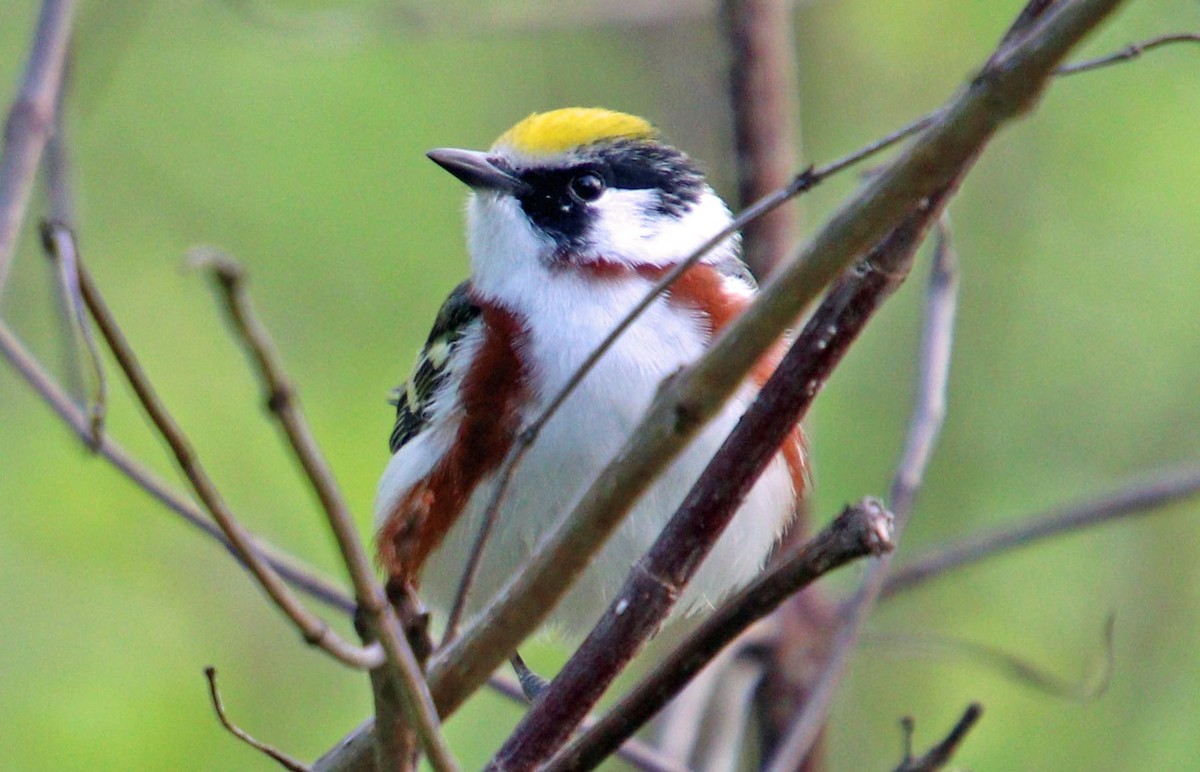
x=1089, y=686
x=999, y=94
x=284, y=760
x=939, y=755
x=31, y=121
x=300, y=576
x=863, y=529
x=315, y=630
x=403, y=680
x=59, y=244
x=1132, y=51
x=1143, y=496
x=924, y=427
x=68, y=306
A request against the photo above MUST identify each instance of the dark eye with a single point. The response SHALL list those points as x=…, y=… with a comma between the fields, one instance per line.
x=586, y=187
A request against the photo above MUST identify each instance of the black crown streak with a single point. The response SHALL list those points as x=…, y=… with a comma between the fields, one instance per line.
x=624, y=165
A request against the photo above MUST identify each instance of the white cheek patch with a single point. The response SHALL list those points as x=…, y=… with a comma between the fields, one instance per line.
x=628, y=227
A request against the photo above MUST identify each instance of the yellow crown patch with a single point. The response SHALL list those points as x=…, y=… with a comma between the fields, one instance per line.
x=560, y=130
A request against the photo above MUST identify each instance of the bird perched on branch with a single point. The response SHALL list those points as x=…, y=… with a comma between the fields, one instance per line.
x=573, y=216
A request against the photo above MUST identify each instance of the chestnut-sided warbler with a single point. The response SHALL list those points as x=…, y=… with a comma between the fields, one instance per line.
x=573, y=216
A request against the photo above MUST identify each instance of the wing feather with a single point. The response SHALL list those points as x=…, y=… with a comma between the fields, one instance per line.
x=414, y=400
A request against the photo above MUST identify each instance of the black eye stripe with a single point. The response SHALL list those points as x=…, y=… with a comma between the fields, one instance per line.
x=558, y=200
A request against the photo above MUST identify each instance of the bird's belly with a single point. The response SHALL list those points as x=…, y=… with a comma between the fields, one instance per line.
x=572, y=449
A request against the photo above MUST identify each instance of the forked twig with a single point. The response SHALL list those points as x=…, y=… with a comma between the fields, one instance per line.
x=924, y=427
x=939, y=755
x=315, y=630
x=406, y=680
x=284, y=760
x=302, y=577
x=59, y=244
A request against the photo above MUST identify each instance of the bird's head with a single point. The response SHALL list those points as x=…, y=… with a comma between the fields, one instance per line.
x=585, y=187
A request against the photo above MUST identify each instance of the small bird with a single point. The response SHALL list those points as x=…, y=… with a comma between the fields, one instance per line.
x=573, y=215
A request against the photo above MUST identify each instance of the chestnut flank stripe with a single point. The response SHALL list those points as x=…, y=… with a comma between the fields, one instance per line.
x=492, y=389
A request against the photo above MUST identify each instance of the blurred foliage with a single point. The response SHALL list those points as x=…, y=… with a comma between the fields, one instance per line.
x=292, y=134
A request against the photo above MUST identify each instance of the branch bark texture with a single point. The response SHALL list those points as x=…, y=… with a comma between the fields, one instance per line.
x=863, y=529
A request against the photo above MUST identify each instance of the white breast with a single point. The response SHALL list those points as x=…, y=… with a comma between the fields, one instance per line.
x=567, y=317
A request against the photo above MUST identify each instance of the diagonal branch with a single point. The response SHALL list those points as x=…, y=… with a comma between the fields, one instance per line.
x=1002, y=91
x=31, y=122
x=402, y=678
x=800, y=184
x=860, y=530
x=300, y=576
x=659, y=577
x=1145, y=496
x=314, y=629
x=924, y=427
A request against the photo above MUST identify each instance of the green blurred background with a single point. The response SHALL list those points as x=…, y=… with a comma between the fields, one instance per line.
x=292, y=134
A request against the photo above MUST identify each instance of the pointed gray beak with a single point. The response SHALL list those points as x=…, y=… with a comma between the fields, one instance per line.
x=477, y=170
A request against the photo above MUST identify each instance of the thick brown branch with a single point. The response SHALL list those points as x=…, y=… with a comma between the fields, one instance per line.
x=860, y=530
x=353, y=753
x=30, y=121
x=651, y=590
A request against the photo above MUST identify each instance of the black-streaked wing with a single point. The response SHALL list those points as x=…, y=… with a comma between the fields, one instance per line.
x=414, y=399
